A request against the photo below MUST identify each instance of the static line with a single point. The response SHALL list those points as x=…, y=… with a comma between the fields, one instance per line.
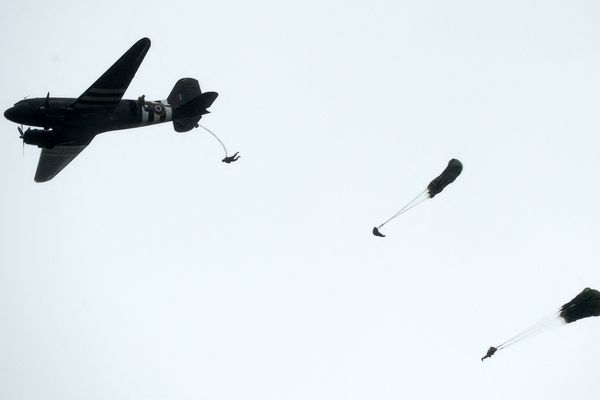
x=215, y=136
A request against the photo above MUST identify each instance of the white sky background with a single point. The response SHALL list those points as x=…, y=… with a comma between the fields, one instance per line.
x=148, y=269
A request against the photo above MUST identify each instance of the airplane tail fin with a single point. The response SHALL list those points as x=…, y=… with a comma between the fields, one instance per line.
x=189, y=104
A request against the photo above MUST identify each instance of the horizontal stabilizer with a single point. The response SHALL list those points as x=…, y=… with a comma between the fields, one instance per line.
x=209, y=98
x=185, y=124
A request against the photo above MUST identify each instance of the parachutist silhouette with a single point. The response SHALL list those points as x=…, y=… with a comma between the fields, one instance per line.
x=142, y=100
x=490, y=353
x=230, y=159
x=377, y=233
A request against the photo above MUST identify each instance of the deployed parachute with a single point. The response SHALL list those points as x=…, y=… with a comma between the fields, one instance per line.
x=585, y=304
x=451, y=172
x=448, y=176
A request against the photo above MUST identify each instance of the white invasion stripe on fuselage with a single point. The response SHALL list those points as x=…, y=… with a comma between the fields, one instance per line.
x=157, y=118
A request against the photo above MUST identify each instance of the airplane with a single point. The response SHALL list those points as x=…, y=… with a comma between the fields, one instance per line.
x=69, y=124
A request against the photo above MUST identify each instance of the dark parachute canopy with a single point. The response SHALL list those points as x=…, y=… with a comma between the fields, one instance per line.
x=451, y=172
x=448, y=176
x=585, y=304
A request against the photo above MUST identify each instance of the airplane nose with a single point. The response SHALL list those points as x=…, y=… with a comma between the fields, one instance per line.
x=10, y=114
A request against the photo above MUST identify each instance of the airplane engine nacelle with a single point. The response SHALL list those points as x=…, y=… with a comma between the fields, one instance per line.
x=40, y=138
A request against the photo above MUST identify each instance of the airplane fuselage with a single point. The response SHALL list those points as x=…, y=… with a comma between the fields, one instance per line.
x=71, y=126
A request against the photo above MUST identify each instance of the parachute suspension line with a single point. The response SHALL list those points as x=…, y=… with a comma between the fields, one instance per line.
x=216, y=137
x=417, y=200
x=538, y=326
x=526, y=332
x=552, y=321
x=551, y=325
x=416, y=204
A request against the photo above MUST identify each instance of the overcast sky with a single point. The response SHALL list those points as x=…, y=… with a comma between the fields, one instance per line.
x=148, y=269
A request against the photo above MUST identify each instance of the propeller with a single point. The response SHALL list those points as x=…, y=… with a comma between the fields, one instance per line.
x=22, y=137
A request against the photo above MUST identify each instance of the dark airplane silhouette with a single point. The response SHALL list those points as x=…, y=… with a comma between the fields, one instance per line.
x=70, y=124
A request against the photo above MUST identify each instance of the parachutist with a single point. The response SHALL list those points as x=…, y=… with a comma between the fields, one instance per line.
x=490, y=353
x=230, y=159
x=377, y=233
x=142, y=100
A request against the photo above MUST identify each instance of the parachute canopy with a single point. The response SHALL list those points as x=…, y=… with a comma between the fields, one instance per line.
x=452, y=171
x=585, y=304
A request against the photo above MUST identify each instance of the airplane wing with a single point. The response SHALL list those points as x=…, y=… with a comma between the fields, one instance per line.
x=53, y=160
x=108, y=90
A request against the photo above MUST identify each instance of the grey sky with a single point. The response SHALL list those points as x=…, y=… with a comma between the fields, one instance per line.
x=150, y=270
